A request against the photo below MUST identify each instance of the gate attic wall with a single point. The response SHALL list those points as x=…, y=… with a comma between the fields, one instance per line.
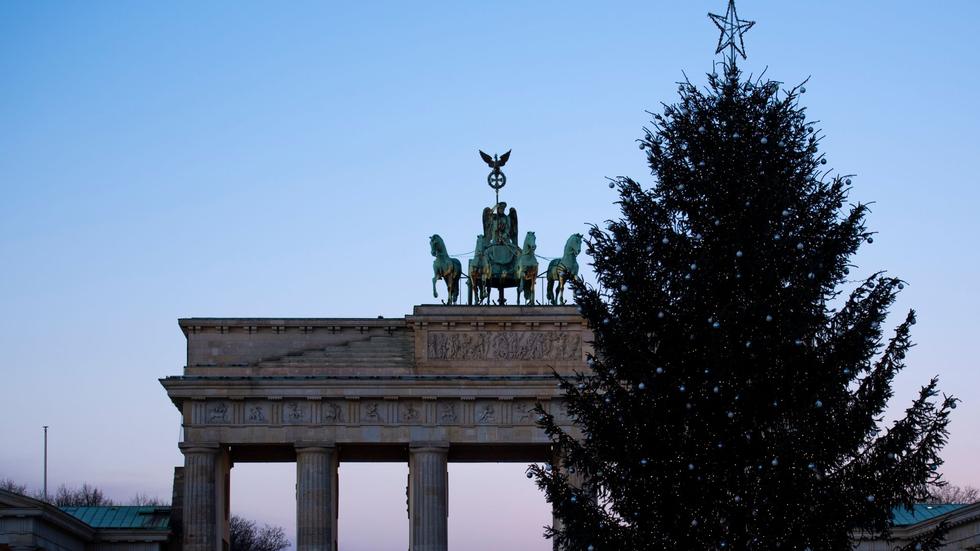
x=464, y=376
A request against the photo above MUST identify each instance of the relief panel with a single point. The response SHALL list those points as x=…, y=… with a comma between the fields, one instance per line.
x=486, y=413
x=217, y=413
x=560, y=410
x=295, y=412
x=373, y=412
x=449, y=412
x=523, y=413
x=332, y=413
x=504, y=345
x=410, y=413
x=257, y=413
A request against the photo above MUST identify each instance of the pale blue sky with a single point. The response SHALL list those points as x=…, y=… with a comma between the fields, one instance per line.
x=164, y=160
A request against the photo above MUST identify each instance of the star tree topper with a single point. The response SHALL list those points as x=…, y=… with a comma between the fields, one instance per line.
x=732, y=29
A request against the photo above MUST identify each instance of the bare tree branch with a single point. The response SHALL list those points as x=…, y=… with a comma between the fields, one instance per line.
x=949, y=493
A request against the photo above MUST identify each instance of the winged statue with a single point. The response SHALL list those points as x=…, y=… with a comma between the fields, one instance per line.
x=500, y=228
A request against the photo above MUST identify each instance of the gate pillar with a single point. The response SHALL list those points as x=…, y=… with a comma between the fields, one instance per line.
x=205, y=497
x=316, y=497
x=428, y=497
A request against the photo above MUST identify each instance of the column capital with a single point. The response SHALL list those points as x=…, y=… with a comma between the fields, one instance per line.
x=435, y=447
x=303, y=447
x=199, y=447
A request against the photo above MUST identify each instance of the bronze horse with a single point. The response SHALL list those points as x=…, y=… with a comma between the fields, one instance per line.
x=526, y=270
x=446, y=268
x=478, y=275
x=562, y=269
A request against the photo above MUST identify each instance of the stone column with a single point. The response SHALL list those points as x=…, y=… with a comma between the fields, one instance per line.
x=428, y=497
x=316, y=497
x=200, y=497
x=222, y=504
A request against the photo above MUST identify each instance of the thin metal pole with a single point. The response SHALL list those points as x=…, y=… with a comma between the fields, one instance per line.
x=45, y=462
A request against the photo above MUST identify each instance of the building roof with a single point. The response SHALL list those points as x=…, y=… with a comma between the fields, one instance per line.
x=123, y=516
x=921, y=512
x=21, y=506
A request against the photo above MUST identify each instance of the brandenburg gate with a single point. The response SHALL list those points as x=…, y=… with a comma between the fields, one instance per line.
x=447, y=383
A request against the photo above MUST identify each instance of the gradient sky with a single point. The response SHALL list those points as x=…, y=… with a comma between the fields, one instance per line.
x=176, y=159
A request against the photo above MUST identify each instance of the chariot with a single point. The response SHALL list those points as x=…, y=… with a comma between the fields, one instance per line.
x=498, y=261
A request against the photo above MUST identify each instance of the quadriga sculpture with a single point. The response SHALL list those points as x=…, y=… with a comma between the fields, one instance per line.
x=562, y=269
x=526, y=270
x=446, y=268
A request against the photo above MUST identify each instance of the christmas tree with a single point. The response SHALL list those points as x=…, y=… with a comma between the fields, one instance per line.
x=736, y=395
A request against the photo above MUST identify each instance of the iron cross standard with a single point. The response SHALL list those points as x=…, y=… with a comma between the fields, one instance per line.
x=496, y=179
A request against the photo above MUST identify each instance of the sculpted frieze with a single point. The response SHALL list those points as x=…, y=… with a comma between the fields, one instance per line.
x=449, y=412
x=486, y=413
x=296, y=413
x=410, y=413
x=257, y=413
x=332, y=413
x=504, y=345
x=372, y=413
x=523, y=412
x=218, y=413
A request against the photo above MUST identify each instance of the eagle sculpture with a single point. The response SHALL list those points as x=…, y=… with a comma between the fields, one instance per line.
x=494, y=162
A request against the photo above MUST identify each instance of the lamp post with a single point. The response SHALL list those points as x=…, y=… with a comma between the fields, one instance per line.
x=45, y=462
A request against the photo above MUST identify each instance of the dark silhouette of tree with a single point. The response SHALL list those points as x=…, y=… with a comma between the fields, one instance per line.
x=736, y=396
x=247, y=536
x=146, y=500
x=12, y=486
x=85, y=495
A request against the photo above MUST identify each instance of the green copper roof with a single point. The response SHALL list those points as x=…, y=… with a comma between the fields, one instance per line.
x=920, y=512
x=129, y=517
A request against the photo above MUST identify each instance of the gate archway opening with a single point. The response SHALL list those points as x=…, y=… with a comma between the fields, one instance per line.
x=265, y=493
x=494, y=506
x=373, y=513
